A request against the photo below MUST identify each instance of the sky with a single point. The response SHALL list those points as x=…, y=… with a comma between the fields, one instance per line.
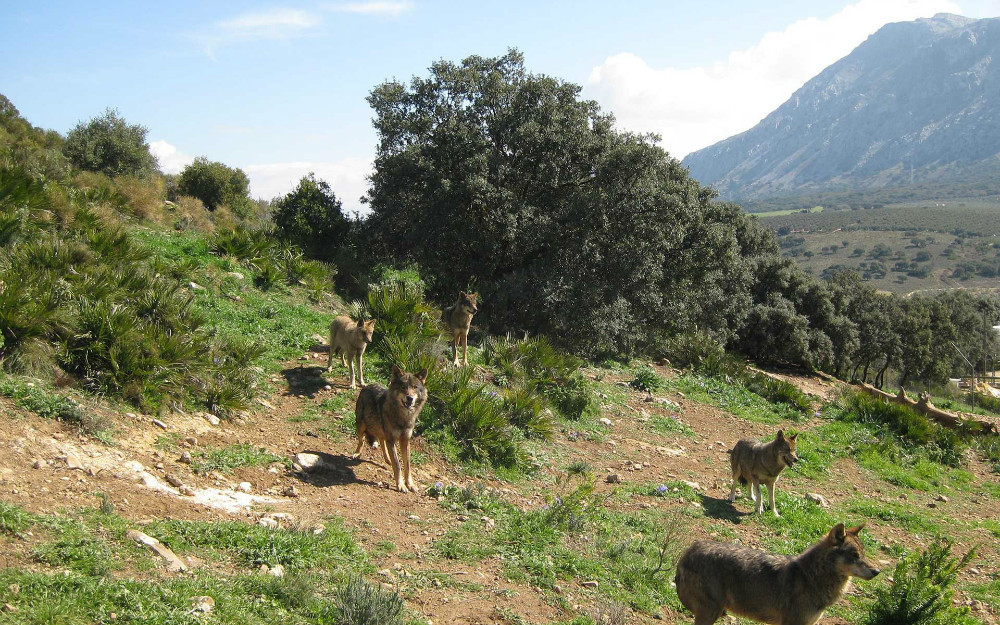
x=278, y=88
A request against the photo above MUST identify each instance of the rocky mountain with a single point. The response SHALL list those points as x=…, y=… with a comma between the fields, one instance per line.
x=916, y=104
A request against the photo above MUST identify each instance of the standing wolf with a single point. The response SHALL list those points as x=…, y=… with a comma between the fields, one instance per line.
x=387, y=415
x=715, y=578
x=350, y=339
x=760, y=463
x=458, y=318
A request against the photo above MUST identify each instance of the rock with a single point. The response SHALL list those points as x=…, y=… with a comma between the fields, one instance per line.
x=932, y=505
x=818, y=499
x=173, y=480
x=308, y=462
x=204, y=604
x=72, y=462
x=488, y=522
x=263, y=402
x=237, y=275
x=291, y=491
x=186, y=490
x=267, y=522
x=159, y=424
x=263, y=569
x=692, y=485
x=277, y=571
x=590, y=584
x=38, y=464
x=190, y=441
x=244, y=487
x=613, y=478
x=8, y=608
x=185, y=458
x=605, y=421
x=212, y=419
x=413, y=517
x=174, y=564
x=941, y=498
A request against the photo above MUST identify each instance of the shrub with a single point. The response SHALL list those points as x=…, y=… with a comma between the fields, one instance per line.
x=110, y=145
x=646, y=380
x=311, y=217
x=359, y=603
x=691, y=349
x=921, y=590
x=215, y=184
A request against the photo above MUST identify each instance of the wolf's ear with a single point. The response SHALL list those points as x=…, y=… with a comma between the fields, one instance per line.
x=396, y=372
x=370, y=323
x=854, y=531
x=837, y=534
x=781, y=435
x=422, y=375
x=461, y=293
x=793, y=436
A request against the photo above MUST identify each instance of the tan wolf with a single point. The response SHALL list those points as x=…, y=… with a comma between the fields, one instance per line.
x=350, y=338
x=760, y=463
x=387, y=415
x=715, y=578
x=458, y=318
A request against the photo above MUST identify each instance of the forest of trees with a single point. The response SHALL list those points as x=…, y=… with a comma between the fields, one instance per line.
x=493, y=179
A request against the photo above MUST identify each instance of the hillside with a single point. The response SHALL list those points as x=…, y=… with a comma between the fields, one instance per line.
x=478, y=544
x=916, y=105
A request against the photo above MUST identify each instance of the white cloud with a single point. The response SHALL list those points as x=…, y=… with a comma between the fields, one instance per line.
x=696, y=107
x=172, y=160
x=273, y=24
x=389, y=9
x=347, y=177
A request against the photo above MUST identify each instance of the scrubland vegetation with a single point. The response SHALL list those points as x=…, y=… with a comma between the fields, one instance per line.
x=593, y=253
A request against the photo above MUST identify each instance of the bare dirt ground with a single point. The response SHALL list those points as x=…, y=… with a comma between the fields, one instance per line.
x=45, y=466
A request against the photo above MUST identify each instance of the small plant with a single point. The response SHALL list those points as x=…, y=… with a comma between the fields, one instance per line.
x=646, y=380
x=359, y=603
x=921, y=590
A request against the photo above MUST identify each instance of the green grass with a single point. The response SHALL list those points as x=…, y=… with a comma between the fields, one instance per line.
x=233, y=457
x=733, y=398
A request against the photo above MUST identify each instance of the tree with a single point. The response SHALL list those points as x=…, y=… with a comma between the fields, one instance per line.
x=486, y=173
x=215, y=184
x=311, y=217
x=110, y=145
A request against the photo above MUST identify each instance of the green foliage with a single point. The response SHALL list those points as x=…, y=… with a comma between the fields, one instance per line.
x=216, y=184
x=359, y=603
x=913, y=428
x=646, y=379
x=575, y=230
x=311, y=217
x=921, y=590
x=110, y=145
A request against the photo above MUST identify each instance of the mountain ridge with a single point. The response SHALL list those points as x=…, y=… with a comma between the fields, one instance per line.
x=915, y=101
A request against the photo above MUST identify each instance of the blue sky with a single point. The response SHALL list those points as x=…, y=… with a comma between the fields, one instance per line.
x=279, y=88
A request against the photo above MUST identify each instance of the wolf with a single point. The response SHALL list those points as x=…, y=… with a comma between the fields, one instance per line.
x=458, y=318
x=350, y=338
x=387, y=415
x=714, y=578
x=760, y=463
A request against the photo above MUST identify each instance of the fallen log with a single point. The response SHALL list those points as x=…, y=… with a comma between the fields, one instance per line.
x=925, y=407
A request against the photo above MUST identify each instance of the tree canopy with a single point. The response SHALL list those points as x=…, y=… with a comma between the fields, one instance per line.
x=312, y=217
x=215, y=184
x=110, y=145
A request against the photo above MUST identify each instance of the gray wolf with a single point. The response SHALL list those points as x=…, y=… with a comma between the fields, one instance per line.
x=350, y=338
x=458, y=318
x=715, y=578
x=760, y=463
x=388, y=415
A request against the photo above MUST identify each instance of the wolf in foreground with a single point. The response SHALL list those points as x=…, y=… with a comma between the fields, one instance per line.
x=761, y=463
x=717, y=578
x=388, y=415
x=458, y=318
x=350, y=338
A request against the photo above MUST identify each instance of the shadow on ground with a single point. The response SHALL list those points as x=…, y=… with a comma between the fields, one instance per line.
x=305, y=380
x=717, y=508
x=332, y=470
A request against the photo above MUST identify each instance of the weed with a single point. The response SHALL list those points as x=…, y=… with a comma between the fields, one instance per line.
x=646, y=380
x=233, y=457
x=358, y=603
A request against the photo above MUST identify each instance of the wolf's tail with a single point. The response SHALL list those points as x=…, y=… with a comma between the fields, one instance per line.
x=370, y=439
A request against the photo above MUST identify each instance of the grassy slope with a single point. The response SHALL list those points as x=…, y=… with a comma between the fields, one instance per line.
x=77, y=567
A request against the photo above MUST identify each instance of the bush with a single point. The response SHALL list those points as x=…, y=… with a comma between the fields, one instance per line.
x=691, y=349
x=311, y=217
x=921, y=590
x=110, y=145
x=216, y=184
x=359, y=603
x=646, y=380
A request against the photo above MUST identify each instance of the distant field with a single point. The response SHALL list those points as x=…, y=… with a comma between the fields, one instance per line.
x=790, y=211
x=973, y=217
x=901, y=248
